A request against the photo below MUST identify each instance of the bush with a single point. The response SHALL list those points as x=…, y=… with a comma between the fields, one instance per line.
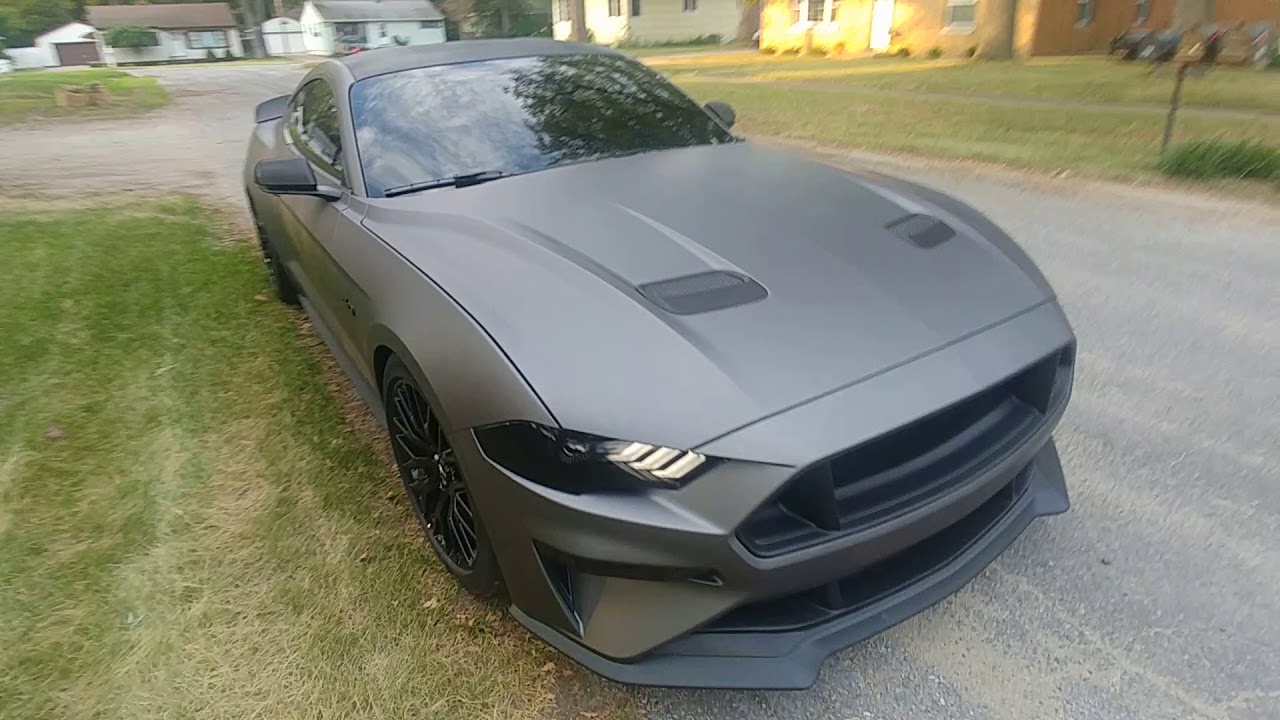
x=209, y=56
x=1275, y=61
x=903, y=52
x=1221, y=159
x=129, y=36
x=935, y=53
x=971, y=52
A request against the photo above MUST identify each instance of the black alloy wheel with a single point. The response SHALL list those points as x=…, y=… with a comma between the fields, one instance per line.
x=437, y=491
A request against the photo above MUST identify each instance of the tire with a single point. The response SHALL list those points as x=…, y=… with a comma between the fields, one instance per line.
x=281, y=284
x=437, y=490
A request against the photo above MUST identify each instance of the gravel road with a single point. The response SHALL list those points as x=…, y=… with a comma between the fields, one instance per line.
x=1158, y=596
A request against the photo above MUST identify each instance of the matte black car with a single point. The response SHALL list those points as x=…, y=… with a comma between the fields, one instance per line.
x=705, y=411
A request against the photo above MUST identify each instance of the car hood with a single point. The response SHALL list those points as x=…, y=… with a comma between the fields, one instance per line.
x=550, y=263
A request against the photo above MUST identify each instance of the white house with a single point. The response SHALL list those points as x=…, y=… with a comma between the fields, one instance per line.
x=283, y=36
x=651, y=21
x=71, y=44
x=184, y=31
x=331, y=27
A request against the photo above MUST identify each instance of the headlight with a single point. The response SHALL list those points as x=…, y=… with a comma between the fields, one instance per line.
x=577, y=462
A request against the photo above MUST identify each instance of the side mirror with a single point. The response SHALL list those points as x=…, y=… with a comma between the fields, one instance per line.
x=291, y=176
x=722, y=112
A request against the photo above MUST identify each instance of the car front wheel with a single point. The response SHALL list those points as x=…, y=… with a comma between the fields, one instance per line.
x=434, y=482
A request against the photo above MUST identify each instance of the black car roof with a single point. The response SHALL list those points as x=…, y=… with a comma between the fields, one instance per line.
x=394, y=59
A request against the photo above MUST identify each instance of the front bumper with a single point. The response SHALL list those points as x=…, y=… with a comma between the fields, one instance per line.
x=790, y=660
x=659, y=588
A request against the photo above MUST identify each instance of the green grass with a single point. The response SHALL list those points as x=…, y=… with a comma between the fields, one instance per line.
x=675, y=49
x=1087, y=80
x=1216, y=159
x=28, y=95
x=192, y=524
x=1106, y=143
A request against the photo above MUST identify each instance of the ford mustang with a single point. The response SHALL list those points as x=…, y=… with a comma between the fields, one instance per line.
x=701, y=410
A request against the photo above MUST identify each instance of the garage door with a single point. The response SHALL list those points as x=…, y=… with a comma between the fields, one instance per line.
x=77, y=53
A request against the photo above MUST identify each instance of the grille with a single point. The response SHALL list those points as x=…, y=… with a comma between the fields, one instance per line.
x=909, y=467
x=877, y=581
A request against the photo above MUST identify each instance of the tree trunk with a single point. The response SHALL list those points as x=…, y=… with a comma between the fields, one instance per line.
x=749, y=22
x=578, y=20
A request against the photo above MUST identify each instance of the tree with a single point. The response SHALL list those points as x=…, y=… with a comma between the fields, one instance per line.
x=578, y=20
x=28, y=19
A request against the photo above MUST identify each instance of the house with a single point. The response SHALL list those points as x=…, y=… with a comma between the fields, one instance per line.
x=645, y=22
x=990, y=28
x=183, y=31
x=331, y=27
x=283, y=36
x=71, y=44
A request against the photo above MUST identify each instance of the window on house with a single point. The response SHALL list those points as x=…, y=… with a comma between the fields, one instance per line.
x=1084, y=12
x=615, y=8
x=835, y=10
x=961, y=13
x=797, y=6
x=815, y=10
x=313, y=124
x=690, y=6
x=203, y=39
x=1144, y=12
x=349, y=32
x=635, y=8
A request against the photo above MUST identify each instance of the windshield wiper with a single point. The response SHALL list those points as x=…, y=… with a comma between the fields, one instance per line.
x=467, y=180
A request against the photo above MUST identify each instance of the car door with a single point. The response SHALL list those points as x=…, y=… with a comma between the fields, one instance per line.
x=313, y=225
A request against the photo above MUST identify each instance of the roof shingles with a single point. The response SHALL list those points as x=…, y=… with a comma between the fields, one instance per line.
x=353, y=10
x=174, y=16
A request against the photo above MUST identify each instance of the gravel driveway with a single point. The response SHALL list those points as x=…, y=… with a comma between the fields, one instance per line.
x=1158, y=596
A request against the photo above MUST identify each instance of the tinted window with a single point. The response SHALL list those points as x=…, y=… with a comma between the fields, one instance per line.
x=517, y=115
x=315, y=127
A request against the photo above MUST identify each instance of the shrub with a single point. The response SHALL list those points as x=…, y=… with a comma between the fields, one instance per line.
x=1221, y=159
x=1275, y=61
x=209, y=56
x=903, y=52
x=935, y=53
x=129, y=36
x=971, y=52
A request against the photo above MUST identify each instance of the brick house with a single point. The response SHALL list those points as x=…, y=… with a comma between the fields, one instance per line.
x=994, y=28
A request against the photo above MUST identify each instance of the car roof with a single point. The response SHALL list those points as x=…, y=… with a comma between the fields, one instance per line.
x=394, y=59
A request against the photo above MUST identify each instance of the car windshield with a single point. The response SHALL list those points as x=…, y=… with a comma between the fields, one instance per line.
x=517, y=115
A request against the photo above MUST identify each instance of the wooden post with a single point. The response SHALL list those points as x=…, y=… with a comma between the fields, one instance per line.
x=1174, y=102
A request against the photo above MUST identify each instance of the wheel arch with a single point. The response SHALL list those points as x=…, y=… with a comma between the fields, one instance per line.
x=464, y=392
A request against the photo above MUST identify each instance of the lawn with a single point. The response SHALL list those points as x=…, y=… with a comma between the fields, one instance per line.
x=1094, y=116
x=1087, y=80
x=1102, y=143
x=192, y=524
x=677, y=49
x=28, y=95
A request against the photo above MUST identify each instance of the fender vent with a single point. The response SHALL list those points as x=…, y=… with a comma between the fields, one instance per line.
x=922, y=230
x=703, y=292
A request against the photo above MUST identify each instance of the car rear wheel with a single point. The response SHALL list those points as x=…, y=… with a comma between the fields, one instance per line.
x=437, y=489
x=281, y=284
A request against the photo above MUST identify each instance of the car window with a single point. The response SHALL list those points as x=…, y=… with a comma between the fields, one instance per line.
x=517, y=115
x=314, y=125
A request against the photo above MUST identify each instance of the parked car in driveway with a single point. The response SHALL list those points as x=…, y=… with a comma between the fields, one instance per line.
x=1128, y=44
x=695, y=437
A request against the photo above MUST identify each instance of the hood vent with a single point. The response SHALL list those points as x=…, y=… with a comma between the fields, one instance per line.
x=922, y=230
x=703, y=292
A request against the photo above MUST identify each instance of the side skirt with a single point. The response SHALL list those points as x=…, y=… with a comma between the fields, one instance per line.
x=362, y=387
